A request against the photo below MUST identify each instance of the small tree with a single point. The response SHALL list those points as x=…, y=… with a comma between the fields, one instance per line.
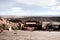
x=4, y=26
x=49, y=26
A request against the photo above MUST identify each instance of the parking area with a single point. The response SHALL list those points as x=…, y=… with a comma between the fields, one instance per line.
x=29, y=35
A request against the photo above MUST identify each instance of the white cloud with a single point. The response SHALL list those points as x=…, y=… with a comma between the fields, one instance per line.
x=38, y=2
x=49, y=13
x=6, y=4
x=11, y=8
x=19, y=12
x=14, y=11
x=53, y=13
x=55, y=8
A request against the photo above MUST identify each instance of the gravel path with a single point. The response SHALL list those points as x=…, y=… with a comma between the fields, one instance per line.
x=29, y=35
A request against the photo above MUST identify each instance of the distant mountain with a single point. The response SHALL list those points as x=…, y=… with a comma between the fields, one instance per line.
x=15, y=16
x=43, y=18
x=39, y=18
x=11, y=16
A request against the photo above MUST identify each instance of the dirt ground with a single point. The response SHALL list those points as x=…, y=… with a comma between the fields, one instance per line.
x=29, y=35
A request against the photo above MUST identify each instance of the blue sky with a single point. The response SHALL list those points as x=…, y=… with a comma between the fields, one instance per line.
x=30, y=7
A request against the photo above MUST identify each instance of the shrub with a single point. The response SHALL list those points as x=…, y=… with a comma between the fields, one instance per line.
x=4, y=26
x=49, y=26
x=15, y=28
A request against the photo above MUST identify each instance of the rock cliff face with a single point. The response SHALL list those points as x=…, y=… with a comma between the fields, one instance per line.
x=7, y=22
x=15, y=22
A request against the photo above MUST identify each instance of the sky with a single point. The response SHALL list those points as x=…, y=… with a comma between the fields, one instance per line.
x=30, y=7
